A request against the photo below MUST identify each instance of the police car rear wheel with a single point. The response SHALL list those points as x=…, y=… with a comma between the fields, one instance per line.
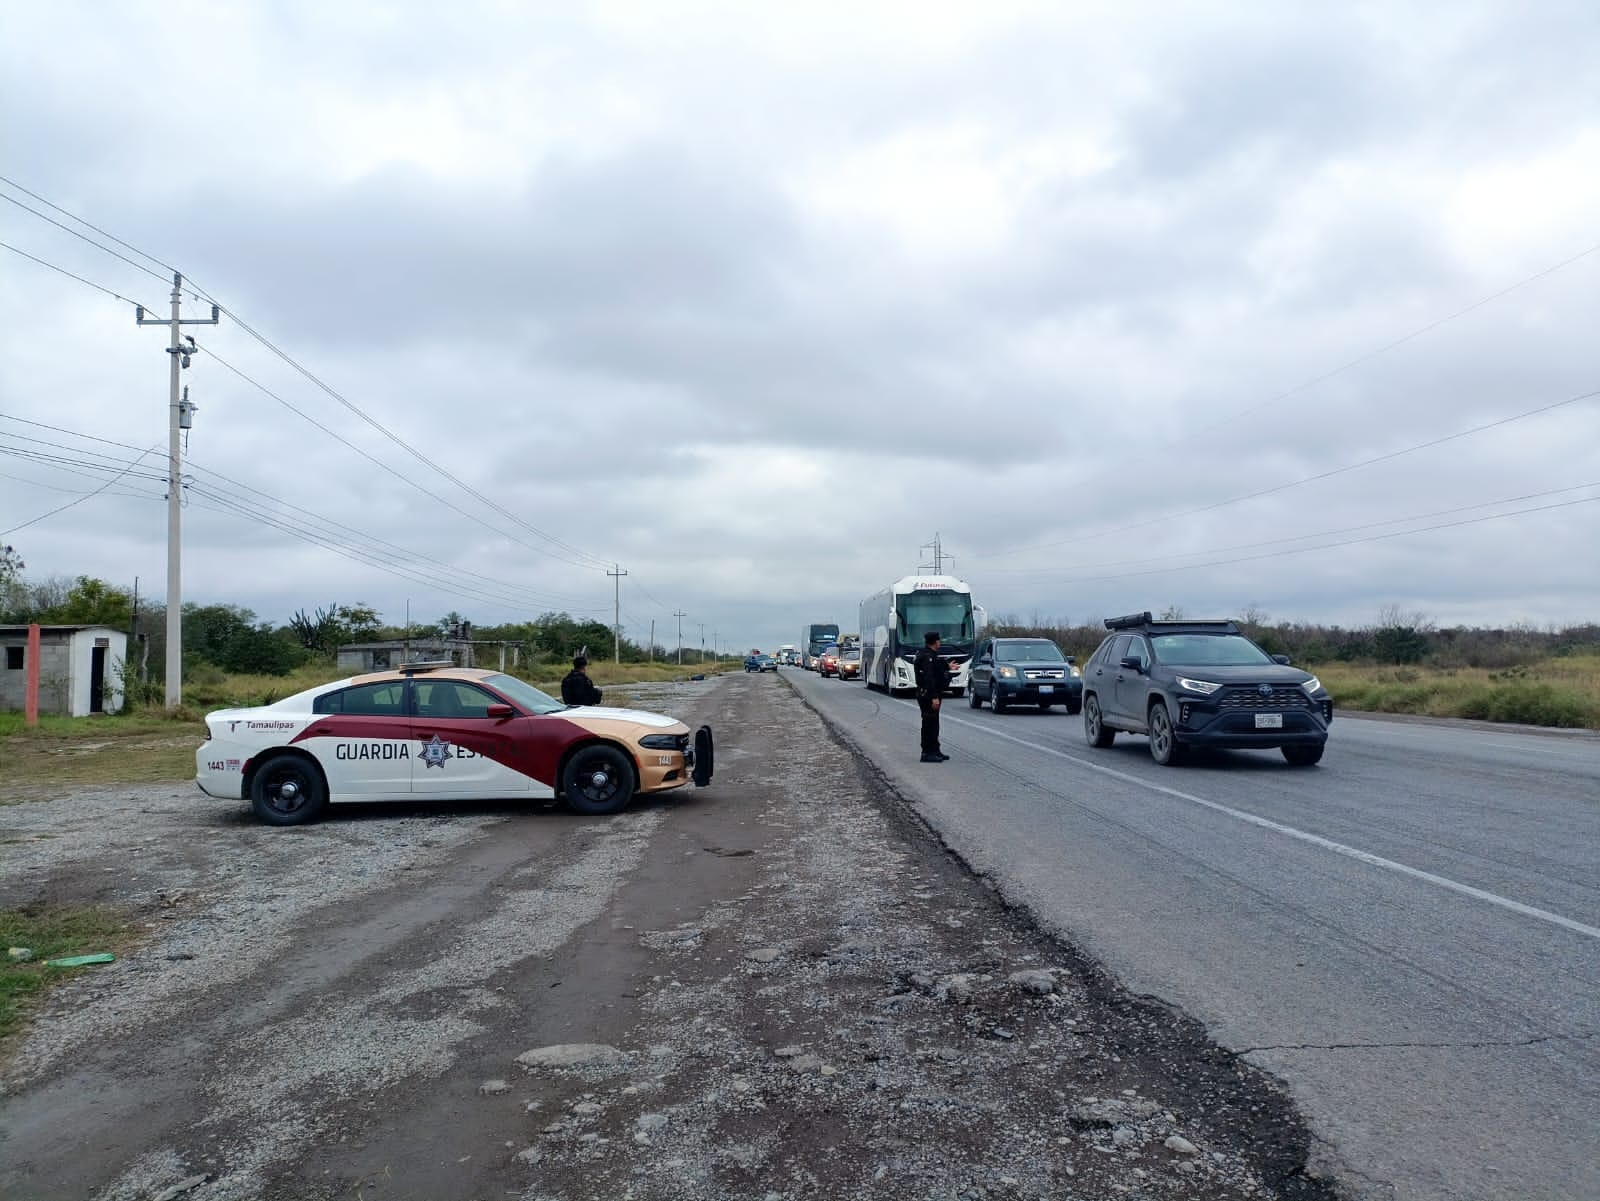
x=597, y=780
x=287, y=791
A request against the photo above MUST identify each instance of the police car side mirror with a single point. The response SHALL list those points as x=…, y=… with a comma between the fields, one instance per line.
x=501, y=711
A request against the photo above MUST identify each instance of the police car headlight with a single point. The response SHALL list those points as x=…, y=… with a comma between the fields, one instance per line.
x=662, y=742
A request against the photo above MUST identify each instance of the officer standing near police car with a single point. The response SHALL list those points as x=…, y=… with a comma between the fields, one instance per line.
x=933, y=678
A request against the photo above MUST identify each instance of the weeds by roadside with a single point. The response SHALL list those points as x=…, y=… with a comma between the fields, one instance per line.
x=47, y=934
x=1560, y=692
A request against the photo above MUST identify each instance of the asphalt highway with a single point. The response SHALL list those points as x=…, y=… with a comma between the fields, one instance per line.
x=1408, y=935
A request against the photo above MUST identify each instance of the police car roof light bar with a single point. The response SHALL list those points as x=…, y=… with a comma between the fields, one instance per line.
x=417, y=665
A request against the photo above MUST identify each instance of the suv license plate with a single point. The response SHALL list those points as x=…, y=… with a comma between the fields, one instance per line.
x=1269, y=721
x=1047, y=687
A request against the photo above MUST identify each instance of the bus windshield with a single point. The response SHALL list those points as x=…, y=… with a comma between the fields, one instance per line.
x=950, y=613
x=821, y=636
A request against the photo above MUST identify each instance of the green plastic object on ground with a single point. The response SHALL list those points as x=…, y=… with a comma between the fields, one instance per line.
x=81, y=960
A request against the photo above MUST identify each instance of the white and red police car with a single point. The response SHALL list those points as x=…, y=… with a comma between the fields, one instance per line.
x=432, y=730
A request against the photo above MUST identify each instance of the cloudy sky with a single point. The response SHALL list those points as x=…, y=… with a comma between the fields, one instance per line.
x=1288, y=306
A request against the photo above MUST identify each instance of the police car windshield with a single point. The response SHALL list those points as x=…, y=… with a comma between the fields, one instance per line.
x=524, y=694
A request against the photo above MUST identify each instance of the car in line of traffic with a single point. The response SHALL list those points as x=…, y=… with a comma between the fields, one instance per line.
x=1024, y=671
x=436, y=731
x=1188, y=684
x=760, y=662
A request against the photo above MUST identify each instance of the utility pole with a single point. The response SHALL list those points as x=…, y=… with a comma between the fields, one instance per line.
x=180, y=415
x=652, y=640
x=680, y=615
x=938, y=554
x=616, y=628
x=702, y=642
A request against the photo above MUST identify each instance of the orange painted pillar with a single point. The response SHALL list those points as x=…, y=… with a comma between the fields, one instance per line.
x=30, y=706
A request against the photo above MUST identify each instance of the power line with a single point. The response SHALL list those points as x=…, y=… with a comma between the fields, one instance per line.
x=564, y=551
x=166, y=268
x=375, y=461
x=573, y=555
x=82, y=236
x=1077, y=569
x=1309, y=479
x=250, y=508
x=79, y=500
x=1384, y=349
x=68, y=274
x=1300, y=550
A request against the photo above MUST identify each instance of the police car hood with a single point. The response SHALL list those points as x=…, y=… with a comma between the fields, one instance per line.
x=642, y=717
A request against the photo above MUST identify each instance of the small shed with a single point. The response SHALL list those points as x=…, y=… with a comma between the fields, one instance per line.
x=80, y=669
x=362, y=657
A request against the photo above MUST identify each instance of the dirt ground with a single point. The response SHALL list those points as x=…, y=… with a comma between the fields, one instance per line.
x=777, y=987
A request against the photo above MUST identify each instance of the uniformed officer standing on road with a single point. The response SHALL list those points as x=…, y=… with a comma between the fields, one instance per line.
x=933, y=677
x=576, y=687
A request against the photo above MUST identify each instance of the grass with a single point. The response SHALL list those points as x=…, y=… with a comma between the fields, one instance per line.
x=1560, y=692
x=154, y=746
x=50, y=933
x=137, y=748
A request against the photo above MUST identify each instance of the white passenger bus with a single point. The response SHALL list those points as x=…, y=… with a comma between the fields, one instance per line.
x=812, y=639
x=895, y=621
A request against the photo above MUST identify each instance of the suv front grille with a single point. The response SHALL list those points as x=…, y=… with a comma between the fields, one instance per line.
x=1044, y=673
x=1289, y=696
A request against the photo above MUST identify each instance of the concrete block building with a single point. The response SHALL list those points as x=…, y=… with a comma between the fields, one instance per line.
x=80, y=669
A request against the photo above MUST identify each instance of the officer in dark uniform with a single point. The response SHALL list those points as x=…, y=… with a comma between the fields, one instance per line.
x=576, y=686
x=933, y=677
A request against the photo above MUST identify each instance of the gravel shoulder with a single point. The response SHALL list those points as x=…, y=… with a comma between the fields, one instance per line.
x=777, y=987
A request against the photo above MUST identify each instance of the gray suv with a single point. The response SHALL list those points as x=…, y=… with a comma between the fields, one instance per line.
x=1023, y=671
x=1200, y=684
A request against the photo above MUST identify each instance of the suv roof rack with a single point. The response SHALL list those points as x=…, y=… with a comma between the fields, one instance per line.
x=1134, y=621
x=416, y=665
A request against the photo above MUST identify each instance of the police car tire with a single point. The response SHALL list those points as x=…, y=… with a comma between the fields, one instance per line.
x=266, y=791
x=586, y=795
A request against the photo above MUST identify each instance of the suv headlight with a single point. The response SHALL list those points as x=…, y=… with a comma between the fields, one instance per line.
x=1203, y=687
x=1073, y=672
x=1312, y=686
x=1007, y=673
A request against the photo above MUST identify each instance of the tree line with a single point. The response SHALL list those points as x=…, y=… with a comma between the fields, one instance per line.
x=233, y=639
x=1397, y=636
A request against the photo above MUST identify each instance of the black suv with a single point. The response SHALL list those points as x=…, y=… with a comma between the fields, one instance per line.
x=1023, y=671
x=1200, y=683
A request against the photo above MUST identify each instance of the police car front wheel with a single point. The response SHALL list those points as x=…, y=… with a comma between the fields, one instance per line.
x=597, y=780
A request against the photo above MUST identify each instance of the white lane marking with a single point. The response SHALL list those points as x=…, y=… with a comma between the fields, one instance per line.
x=1339, y=848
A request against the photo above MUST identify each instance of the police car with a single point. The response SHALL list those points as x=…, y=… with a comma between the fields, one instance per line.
x=432, y=730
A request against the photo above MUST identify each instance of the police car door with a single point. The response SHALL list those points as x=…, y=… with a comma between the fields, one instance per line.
x=458, y=748
x=362, y=738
